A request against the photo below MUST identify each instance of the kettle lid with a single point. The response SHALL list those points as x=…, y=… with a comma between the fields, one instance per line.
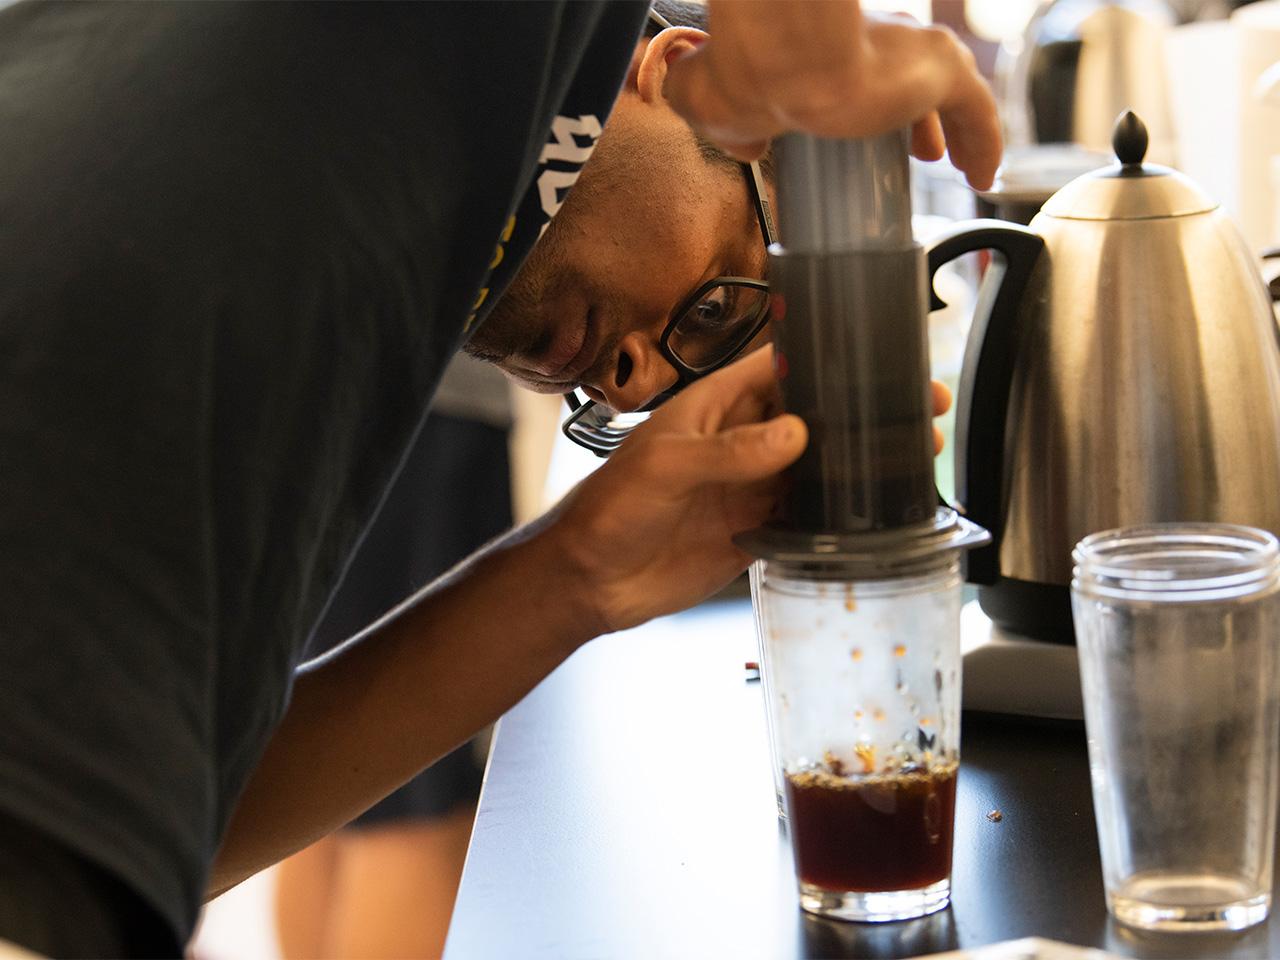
x=1129, y=189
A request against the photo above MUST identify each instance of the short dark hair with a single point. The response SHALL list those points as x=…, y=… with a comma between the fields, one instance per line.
x=688, y=13
x=678, y=13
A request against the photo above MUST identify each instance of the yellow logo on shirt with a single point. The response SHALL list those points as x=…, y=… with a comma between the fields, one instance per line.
x=499, y=251
x=571, y=142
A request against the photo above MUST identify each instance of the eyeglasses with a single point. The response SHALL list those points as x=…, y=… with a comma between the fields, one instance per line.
x=709, y=330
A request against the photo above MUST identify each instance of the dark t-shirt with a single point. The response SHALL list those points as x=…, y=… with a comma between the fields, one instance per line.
x=238, y=242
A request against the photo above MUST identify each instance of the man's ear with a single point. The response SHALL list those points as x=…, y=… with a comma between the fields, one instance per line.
x=649, y=63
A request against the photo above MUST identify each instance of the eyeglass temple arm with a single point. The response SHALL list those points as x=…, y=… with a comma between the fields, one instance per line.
x=760, y=197
x=658, y=20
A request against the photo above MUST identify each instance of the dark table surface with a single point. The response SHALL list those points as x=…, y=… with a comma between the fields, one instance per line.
x=628, y=811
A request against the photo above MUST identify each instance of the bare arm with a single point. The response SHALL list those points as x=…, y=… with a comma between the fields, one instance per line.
x=826, y=68
x=647, y=534
x=368, y=717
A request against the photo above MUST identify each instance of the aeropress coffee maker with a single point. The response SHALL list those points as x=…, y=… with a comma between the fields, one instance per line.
x=858, y=585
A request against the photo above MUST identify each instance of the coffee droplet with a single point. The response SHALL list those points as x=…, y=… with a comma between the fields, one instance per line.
x=856, y=653
x=899, y=651
x=834, y=764
x=866, y=753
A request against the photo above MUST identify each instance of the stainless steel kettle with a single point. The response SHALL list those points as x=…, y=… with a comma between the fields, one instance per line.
x=1130, y=373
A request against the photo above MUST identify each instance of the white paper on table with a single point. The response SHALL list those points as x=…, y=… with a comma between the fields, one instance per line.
x=1029, y=948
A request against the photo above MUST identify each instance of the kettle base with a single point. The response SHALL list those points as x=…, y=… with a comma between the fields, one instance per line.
x=1015, y=676
x=1038, y=611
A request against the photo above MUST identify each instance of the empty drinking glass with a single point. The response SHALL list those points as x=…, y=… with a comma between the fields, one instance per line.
x=1178, y=628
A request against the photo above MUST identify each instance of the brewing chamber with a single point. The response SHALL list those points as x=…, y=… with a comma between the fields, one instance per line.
x=857, y=592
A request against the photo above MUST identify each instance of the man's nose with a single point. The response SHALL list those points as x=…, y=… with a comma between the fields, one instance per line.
x=640, y=373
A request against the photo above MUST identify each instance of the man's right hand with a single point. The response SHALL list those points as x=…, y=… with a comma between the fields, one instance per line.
x=825, y=68
x=651, y=532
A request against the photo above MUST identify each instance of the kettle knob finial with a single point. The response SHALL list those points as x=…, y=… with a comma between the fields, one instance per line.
x=1129, y=139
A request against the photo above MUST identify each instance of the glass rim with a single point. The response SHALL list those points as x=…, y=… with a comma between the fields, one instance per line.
x=1179, y=562
x=794, y=580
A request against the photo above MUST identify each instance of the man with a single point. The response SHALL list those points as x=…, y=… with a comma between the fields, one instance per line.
x=240, y=242
x=633, y=240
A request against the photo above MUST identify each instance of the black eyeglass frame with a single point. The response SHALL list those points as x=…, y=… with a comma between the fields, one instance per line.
x=600, y=436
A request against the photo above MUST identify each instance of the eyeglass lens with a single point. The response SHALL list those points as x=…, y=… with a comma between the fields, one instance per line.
x=718, y=324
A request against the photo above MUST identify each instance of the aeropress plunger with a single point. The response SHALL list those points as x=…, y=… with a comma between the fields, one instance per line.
x=858, y=590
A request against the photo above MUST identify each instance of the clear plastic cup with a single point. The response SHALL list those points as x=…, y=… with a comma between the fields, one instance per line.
x=864, y=683
x=1178, y=628
x=756, y=578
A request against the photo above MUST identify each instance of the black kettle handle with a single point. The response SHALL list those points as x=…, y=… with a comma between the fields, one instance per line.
x=986, y=375
x=1274, y=287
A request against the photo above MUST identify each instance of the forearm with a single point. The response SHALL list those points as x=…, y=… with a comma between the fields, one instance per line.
x=647, y=534
x=370, y=716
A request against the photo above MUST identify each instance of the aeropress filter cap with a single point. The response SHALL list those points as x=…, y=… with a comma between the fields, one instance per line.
x=853, y=350
x=873, y=555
